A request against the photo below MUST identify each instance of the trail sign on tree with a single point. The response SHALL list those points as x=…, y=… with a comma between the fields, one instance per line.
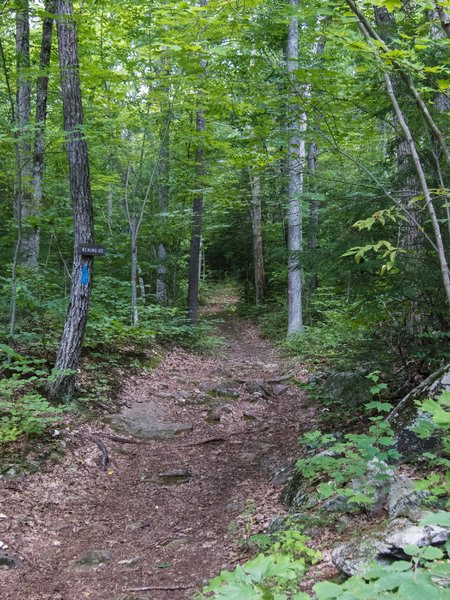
x=91, y=250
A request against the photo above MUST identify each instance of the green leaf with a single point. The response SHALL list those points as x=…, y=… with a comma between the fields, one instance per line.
x=326, y=590
x=326, y=490
x=411, y=549
x=419, y=589
x=431, y=553
x=438, y=518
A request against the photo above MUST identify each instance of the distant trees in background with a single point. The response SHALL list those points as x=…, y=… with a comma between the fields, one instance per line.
x=228, y=140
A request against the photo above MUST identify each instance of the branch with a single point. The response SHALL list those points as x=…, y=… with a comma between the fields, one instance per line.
x=370, y=34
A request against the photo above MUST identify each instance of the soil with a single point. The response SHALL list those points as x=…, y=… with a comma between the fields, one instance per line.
x=162, y=537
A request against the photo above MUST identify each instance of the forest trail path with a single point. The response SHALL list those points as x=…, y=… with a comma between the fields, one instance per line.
x=161, y=539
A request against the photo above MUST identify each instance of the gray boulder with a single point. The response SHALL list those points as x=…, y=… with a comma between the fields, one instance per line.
x=402, y=497
x=351, y=387
x=386, y=544
x=406, y=416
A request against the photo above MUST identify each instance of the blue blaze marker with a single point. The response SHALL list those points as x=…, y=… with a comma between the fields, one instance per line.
x=84, y=276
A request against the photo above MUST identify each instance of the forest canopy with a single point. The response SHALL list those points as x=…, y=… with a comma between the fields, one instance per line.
x=298, y=149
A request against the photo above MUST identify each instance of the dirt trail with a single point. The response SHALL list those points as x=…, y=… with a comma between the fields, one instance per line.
x=163, y=539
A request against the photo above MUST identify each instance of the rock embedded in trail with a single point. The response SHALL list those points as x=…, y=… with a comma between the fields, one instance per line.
x=224, y=392
x=90, y=560
x=150, y=431
x=279, y=389
x=146, y=423
x=10, y=562
x=256, y=386
x=173, y=476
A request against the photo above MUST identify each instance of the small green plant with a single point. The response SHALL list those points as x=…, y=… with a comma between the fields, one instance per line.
x=292, y=543
x=241, y=529
x=437, y=481
x=273, y=577
x=23, y=410
x=30, y=415
x=398, y=581
x=340, y=462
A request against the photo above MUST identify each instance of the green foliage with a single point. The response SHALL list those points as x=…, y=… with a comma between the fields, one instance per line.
x=23, y=410
x=271, y=577
x=398, y=581
x=340, y=330
x=390, y=253
x=437, y=480
x=340, y=462
x=292, y=543
x=30, y=415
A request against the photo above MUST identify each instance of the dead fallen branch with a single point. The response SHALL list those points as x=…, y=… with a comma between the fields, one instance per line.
x=149, y=588
x=209, y=441
x=116, y=438
x=100, y=445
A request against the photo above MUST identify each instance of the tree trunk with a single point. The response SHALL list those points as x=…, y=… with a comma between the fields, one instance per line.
x=83, y=222
x=25, y=209
x=197, y=212
x=133, y=232
x=196, y=233
x=370, y=35
x=41, y=118
x=162, y=294
x=141, y=285
x=296, y=157
x=258, y=255
x=313, y=217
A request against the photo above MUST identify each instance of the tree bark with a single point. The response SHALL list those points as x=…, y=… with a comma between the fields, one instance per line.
x=197, y=211
x=444, y=18
x=25, y=208
x=196, y=233
x=258, y=254
x=313, y=216
x=133, y=232
x=162, y=294
x=83, y=222
x=40, y=121
x=296, y=157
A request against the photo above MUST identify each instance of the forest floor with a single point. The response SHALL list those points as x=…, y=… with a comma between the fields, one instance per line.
x=165, y=515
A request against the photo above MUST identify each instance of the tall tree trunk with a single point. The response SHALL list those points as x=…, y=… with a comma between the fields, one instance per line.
x=141, y=285
x=83, y=222
x=25, y=209
x=197, y=211
x=196, y=233
x=258, y=254
x=296, y=158
x=133, y=232
x=162, y=294
x=41, y=118
x=313, y=217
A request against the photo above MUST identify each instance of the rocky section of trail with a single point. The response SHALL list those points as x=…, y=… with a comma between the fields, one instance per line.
x=209, y=433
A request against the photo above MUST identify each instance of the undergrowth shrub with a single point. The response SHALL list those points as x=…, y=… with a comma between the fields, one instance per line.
x=23, y=410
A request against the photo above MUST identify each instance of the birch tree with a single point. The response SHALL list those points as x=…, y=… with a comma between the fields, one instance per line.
x=295, y=162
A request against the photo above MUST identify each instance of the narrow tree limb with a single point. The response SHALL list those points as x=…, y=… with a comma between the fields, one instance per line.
x=116, y=438
x=148, y=588
x=370, y=33
x=101, y=446
x=208, y=441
